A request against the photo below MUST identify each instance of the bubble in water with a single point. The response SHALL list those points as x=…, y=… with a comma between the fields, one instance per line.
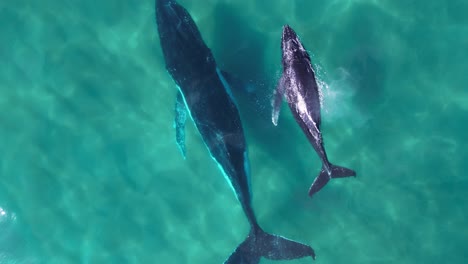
x=323, y=86
x=4, y=215
x=336, y=96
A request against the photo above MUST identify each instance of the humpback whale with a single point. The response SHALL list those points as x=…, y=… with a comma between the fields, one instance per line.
x=204, y=95
x=299, y=86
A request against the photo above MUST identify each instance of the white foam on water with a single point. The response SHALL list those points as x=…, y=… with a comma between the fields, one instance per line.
x=5, y=216
x=336, y=97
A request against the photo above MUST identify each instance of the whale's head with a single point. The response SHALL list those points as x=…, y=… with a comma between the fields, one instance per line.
x=288, y=34
x=180, y=39
x=291, y=47
x=174, y=21
x=176, y=25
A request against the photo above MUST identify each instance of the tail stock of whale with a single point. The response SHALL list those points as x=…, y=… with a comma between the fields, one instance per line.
x=261, y=244
x=324, y=176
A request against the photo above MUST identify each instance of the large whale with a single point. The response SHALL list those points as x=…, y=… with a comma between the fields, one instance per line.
x=299, y=86
x=205, y=95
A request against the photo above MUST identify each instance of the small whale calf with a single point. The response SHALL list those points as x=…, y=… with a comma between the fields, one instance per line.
x=205, y=95
x=299, y=86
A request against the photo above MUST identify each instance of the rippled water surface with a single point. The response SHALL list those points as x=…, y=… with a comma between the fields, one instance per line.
x=89, y=169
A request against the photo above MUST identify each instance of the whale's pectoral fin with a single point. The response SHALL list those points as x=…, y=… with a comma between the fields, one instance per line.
x=179, y=122
x=237, y=83
x=277, y=100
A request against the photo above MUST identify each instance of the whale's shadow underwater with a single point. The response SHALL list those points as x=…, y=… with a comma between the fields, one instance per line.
x=205, y=96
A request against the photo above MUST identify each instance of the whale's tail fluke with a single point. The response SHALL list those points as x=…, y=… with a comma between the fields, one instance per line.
x=325, y=176
x=261, y=244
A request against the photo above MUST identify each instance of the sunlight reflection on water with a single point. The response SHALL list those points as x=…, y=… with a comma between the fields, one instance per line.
x=2, y=212
x=4, y=215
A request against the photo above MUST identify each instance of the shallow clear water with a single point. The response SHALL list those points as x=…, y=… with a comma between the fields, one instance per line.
x=89, y=169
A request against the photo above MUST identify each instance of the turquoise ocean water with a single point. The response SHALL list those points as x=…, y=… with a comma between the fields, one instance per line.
x=89, y=169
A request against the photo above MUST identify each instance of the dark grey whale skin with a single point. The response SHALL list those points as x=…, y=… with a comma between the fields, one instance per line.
x=299, y=86
x=206, y=95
